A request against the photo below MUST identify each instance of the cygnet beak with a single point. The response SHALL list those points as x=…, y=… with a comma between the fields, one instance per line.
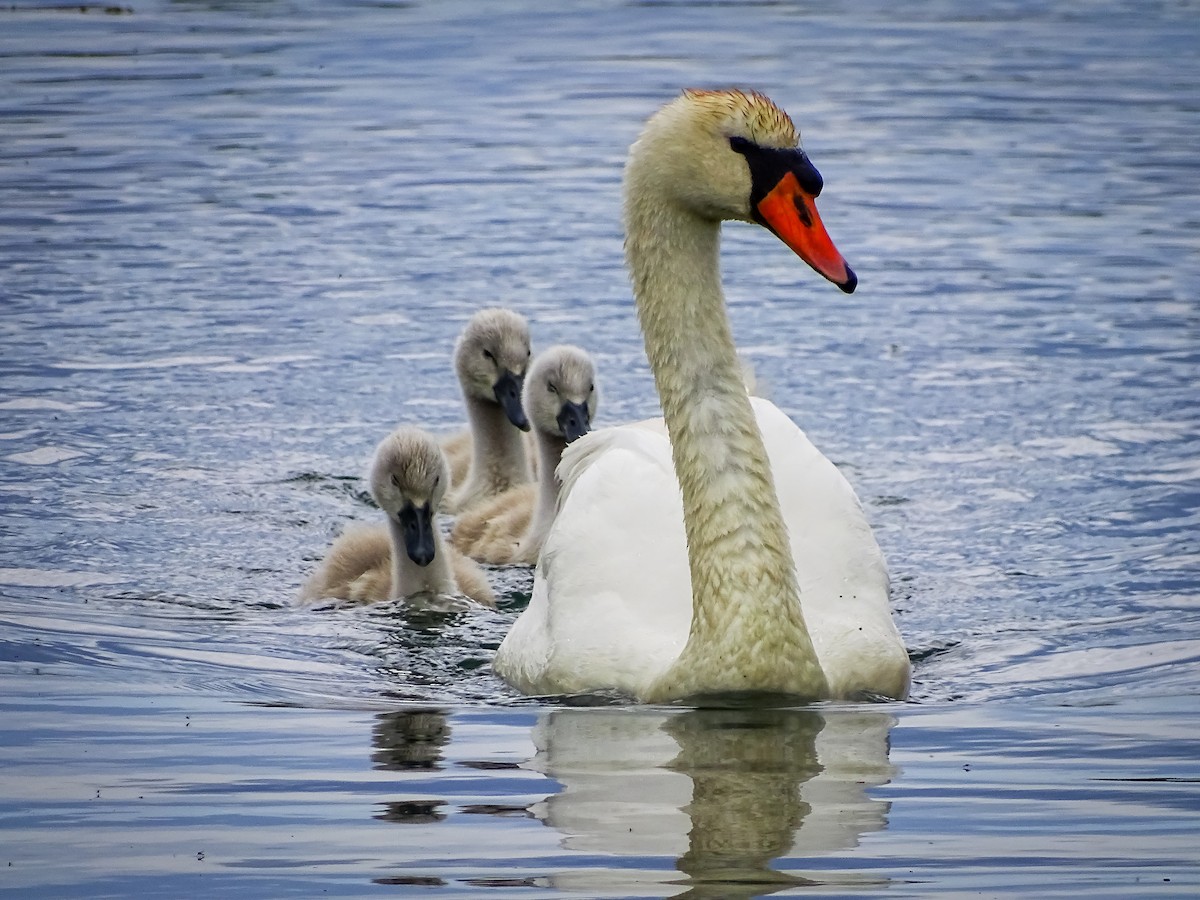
x=508, y=395
x=574, y=420
x=417, y=524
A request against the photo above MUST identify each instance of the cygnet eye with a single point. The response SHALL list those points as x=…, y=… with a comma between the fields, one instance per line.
x=550, y=386
x=487, y=354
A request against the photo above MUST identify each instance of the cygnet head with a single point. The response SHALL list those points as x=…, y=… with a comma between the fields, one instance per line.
x=731, y=154
x=409, y=476
x=560, y=392
x=491, y=357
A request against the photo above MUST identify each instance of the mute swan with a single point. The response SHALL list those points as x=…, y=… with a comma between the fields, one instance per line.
x=560, y=399
x=490, y=357
x=731, y=556
x=409, y=556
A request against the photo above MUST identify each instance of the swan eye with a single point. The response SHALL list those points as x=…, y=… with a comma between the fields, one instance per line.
x=395, y=480
x=740, y=144
x=550, y=386
x=487, y=354
x=591, y=387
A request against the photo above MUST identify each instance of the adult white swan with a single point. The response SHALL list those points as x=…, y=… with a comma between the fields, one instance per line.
x=732, y=556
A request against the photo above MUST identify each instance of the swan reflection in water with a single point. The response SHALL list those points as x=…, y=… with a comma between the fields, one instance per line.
x=722, y=791
x=730, y=802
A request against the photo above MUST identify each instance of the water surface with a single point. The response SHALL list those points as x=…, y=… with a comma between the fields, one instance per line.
x=238, y=241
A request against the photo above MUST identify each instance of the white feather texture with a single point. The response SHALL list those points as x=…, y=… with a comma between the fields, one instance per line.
x=612, y=606
x=715, y=550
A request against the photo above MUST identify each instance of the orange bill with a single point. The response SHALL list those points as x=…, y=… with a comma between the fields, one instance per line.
x=791, y=212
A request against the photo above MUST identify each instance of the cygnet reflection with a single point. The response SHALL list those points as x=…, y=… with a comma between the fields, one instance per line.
x=406, y=740
x=410, y=739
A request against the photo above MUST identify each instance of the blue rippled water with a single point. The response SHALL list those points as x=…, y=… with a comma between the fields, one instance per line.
x=238, y=240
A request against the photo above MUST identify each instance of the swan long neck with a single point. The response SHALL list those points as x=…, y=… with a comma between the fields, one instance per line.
x=498, y=459
x=746, y=614
x=550, y=448
x=408, y=578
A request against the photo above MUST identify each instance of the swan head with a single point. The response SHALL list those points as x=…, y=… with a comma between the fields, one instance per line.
x=731, y=154
x=560, y=392
x=408, y=479
x=491, y=357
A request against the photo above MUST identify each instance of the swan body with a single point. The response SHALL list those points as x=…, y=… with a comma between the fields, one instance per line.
x=490, y=359
x=714, y=550
x=408, y=556
x=560, y=399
